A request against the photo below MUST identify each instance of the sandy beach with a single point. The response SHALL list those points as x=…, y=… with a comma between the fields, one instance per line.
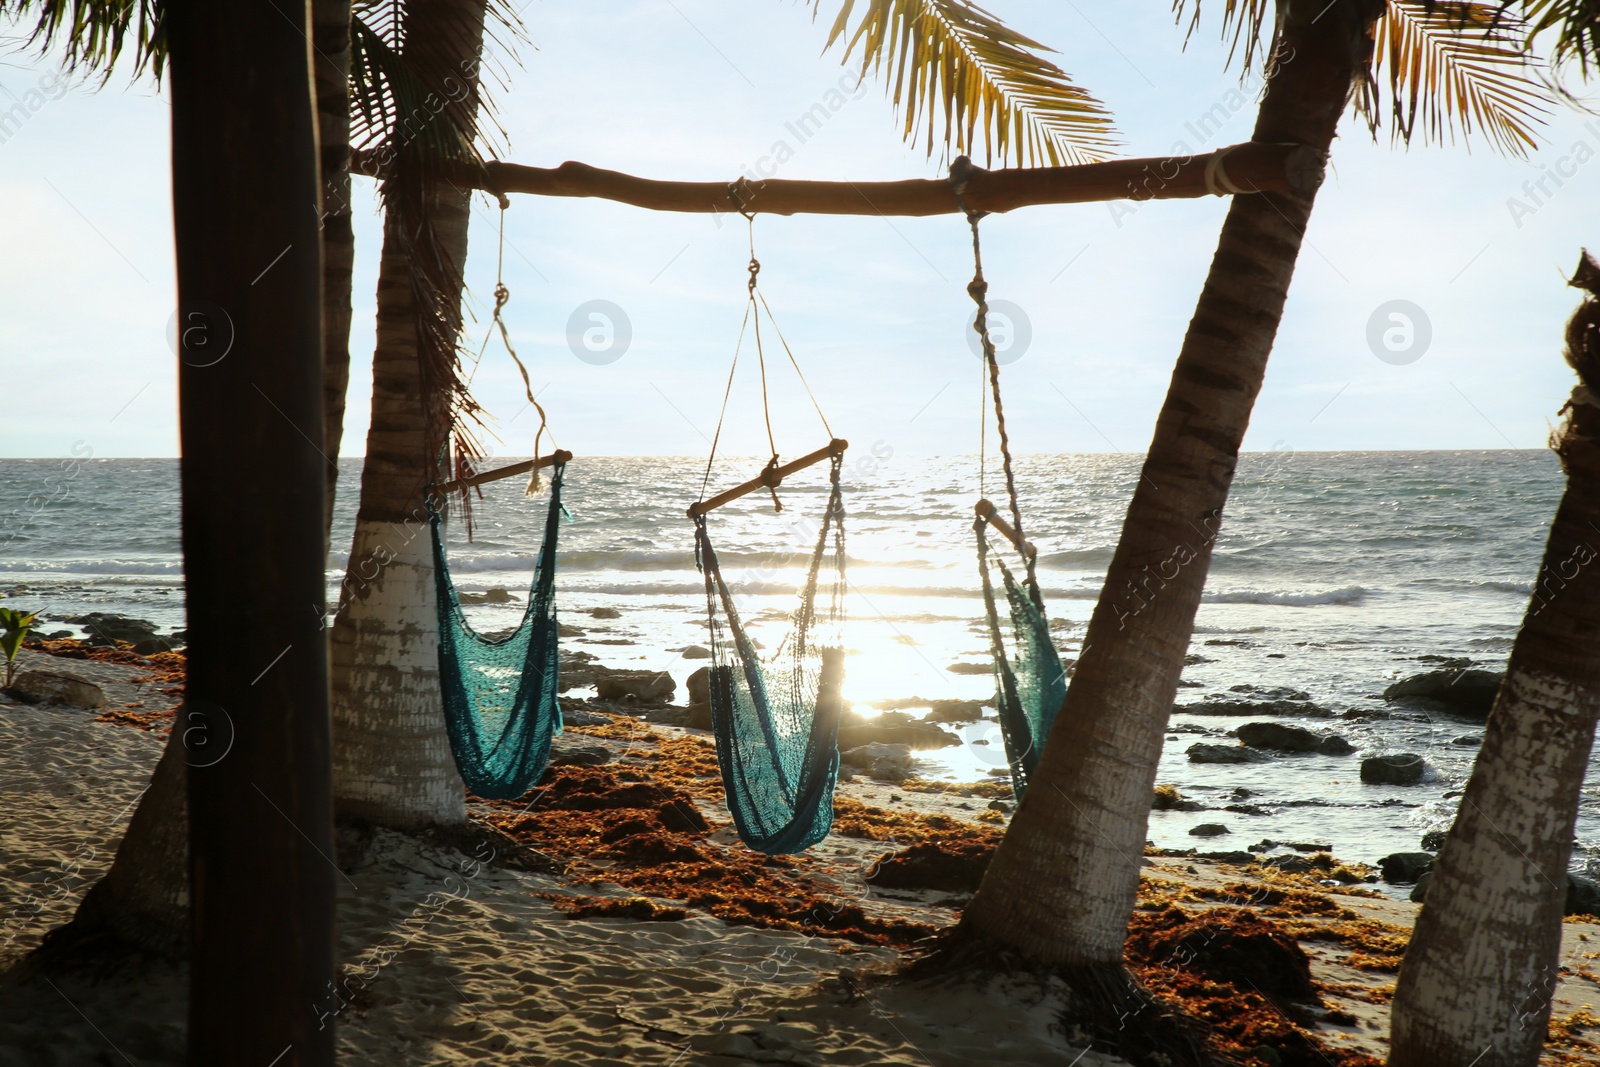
x=594, y=922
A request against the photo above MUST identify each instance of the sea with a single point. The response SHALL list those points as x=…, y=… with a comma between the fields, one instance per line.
x=1335, y=574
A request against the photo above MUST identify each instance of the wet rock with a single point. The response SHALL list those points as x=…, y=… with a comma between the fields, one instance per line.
x=564, y=630
x=1468, y=693
x=48, y=687
x=1403, y=768
x=577, y=669
x=1194, y=659
x=1209, y=829
x=1467, y=740
x=1167, y=798
x=1001, y=806
x=696, y=652
x=150, y=646
x=570, y=752
x=1251, y=708
x=1238, y=857
x=105, y=629
x=1278, y=692
x=495, y=595
x=644, y=687
x=895, y=728
x=1247, y=809
x=698, y=717
x=575, y=716
x=1433, y=840
x=1334, y=745
x=970, y=668
x=698, y=686
x=1290, y=864
x=954, y=711
x=1583, y=895
x=883, y=762
x=1404, y=868
x=1278, y=736
x=667, y=715
x=605, y=613
x=1419, y=892
x=1203, y=753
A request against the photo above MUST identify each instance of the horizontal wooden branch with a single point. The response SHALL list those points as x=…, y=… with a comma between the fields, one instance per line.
x=510, y=470
x=986, y=511
x=1249, y=167
x=770, y=478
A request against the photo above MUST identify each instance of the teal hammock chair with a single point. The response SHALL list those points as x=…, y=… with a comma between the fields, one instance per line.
x=500, y=707
x=777, y=724
x=1030, y=681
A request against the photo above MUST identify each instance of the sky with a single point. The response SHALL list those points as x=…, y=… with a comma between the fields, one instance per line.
x=874, y=309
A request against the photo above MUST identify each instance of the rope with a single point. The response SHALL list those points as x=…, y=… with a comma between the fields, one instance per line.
x=978, y=289
x=502, y=297
x=755, y=303
x=1217, y=181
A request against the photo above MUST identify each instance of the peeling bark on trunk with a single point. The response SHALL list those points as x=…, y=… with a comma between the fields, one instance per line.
x=392, y=759
x=1478, y=978
x=1062, y=884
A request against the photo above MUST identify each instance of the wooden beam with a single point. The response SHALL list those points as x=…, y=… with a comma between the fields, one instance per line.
x=1248, y=167
x=560, y=455
x=770, y=478
x=986, y=511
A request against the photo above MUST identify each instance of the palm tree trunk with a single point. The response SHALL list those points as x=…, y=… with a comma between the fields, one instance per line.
x=1478, y=978
x=392, y=759
x=330, y=38
x=255, y=726
x=143, y=900
x=1061, y=886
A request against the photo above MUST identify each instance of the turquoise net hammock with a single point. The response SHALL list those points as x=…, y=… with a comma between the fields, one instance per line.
x=500, y=706
x=777, y=727
x=1030, y=682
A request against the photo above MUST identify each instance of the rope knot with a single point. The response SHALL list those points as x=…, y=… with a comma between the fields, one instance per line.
x=978, y=289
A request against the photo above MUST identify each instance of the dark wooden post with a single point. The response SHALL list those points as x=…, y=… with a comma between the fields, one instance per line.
x=246, y=199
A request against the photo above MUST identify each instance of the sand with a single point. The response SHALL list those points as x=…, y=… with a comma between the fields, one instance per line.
x=451, y=961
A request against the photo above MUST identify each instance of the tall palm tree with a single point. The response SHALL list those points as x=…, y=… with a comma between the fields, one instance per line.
x=1479, y=976
x=392, y=761
x=143, y=899
x=1061, y=886
x=249, y=267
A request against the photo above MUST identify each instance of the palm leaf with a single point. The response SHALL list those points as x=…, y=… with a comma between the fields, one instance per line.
x=1449, y=68
x=1577, y=26
x=1460, y=66
x=92, y=34
x=951, y=59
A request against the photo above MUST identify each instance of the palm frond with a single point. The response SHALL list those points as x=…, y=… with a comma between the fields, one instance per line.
x=951, y=58
x=1243, y=24
x=1447, y=68
x=93, y=34
x=1577, y=27
x=1459, y=67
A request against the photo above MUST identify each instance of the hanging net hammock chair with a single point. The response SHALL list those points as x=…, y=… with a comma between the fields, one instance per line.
x=1030, y=680
x=777, y=723
x=500, y=707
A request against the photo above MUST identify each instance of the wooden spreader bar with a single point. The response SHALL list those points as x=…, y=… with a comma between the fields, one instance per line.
x=770, y=478
x=986, y=511
x=561, y=455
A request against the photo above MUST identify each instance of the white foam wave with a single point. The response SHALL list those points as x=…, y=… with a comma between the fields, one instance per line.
x=1344, y=596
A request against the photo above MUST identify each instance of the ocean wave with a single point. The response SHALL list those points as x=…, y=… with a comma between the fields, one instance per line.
x=92, y=566
x=1346, y=595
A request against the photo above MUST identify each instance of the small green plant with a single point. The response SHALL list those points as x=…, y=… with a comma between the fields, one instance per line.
x=14, y=626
